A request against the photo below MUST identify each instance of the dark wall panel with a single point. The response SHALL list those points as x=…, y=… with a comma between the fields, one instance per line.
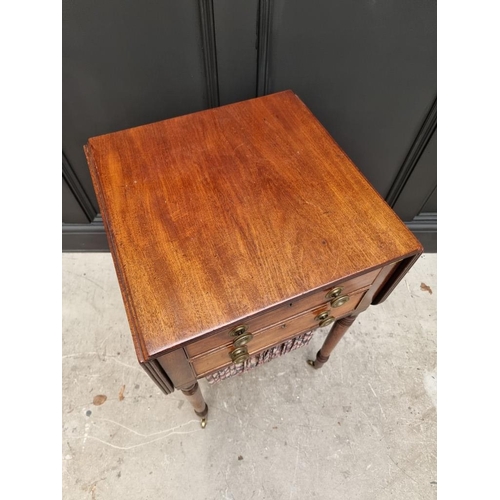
x=71, y=209
x=236, y=39
x=431, y=203
x=420, y=185
x=366, y=69
x=127, y=64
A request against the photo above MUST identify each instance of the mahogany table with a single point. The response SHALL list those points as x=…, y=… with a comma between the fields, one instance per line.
x=237, y=231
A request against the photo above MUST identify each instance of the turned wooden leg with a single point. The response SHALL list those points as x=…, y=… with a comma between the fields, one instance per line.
x=195, y=397
x=336, y=333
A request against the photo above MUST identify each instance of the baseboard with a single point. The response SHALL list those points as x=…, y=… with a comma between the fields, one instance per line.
x=92, y=237
x=85, y=237
x=424, y=227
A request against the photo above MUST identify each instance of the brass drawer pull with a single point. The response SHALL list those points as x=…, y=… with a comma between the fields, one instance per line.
x=322, y=316
x=326, y=322
x=242, y=340
x=333, y=294
x=238, y=330
x=340, y=301
x=239, y=355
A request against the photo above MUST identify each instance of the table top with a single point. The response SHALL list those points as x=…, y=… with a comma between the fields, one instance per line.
x=217, y=215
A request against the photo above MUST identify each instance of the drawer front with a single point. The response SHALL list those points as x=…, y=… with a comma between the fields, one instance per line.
x=287, y=310
x=264, y=339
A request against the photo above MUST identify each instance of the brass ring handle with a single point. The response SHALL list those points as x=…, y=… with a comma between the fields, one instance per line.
x=333, y=294
x=322, y=316
x=238, y=330
x=241, y=359
x=239, y=350
x=242, y=340
x=340, y=301
x=327, y=321
x=239, y=355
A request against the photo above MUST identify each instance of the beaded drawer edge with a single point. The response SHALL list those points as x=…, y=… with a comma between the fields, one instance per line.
x=261, y=358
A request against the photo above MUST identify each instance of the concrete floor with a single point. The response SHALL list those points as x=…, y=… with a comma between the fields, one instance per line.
x=363, y=427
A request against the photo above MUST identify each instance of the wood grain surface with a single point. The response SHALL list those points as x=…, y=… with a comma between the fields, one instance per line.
x=220, y=214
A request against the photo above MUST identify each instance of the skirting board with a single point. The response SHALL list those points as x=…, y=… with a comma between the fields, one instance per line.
x=92, y=237
x=424, y=227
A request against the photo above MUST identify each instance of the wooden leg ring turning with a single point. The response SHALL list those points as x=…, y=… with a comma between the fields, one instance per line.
x=195, y=397
x=336, y=333
x=319, y=361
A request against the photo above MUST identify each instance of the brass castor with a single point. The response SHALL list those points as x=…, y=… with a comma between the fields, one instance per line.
x=310, y=362
x=203, y=415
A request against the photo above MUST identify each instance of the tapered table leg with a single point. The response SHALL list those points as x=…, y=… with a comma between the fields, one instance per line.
x=336, y=333
x=195, y=397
